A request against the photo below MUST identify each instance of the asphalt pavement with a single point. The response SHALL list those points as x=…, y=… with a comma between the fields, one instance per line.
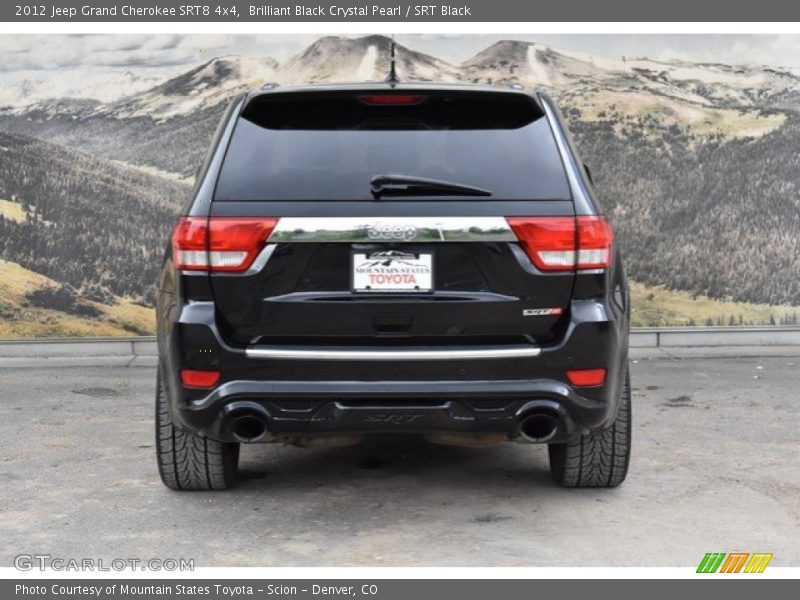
x=716, y=467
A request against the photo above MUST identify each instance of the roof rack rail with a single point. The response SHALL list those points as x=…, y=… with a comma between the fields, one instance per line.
x=270, y=86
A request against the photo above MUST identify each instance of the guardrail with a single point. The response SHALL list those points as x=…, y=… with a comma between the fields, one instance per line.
x=641, y=338
x=709, y=337
x=75, y=347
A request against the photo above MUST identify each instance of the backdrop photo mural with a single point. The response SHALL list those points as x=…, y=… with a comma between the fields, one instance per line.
x=692, y=144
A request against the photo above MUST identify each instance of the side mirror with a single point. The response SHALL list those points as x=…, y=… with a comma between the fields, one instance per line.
x=588, y=173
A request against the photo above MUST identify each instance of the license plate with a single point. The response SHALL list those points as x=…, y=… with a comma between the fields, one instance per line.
x=392, y=271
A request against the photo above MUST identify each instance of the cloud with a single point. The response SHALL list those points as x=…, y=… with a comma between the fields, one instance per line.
x=99, y=66
x=46, y=52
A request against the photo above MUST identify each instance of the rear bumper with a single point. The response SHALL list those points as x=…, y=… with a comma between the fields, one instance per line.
x=290, y=409
x=321, y=395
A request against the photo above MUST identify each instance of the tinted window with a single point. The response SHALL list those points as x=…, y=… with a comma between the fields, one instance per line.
x=322, y=146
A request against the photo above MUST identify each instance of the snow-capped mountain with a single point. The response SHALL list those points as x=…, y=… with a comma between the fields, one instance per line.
x=55, y=108
x=202, y=87
x=23, y=88
x=710, y=99
x=341, y=59
x=329, y=59
x=530, y=64
x=708, y=84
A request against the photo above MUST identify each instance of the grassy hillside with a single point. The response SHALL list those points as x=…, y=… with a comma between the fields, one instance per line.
x=175, y=147
x=20, y=317
x=654, y=306
x=720, y=218
x=651, y=113
x=84, y=221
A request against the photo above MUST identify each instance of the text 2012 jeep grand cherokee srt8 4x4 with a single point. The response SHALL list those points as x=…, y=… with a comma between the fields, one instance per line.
x=385, y=258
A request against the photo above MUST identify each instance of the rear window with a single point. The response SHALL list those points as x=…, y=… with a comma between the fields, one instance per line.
x=328, y=146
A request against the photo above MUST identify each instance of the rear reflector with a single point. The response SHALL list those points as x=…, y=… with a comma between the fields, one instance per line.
x=199, y=379
x=564, y=243
x=586, y=377
x=389, y=99
x=219, y=243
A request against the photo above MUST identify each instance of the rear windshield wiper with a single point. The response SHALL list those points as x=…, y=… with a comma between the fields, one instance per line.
x=407, y=185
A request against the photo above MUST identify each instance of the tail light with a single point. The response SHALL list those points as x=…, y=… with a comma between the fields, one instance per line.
x=227, y=244
x=564, y=243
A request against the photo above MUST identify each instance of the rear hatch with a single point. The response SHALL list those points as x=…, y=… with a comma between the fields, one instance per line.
x=390, y=217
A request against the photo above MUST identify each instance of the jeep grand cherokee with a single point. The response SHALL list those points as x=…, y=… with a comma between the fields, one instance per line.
x=385, y=258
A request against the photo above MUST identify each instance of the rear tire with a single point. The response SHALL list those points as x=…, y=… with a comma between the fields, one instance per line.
x=187, y=461
x=597, y=459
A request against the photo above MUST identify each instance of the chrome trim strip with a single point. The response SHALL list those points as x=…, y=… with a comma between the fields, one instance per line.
x=267, y=352
x=392, y=229
x=261, y=260
x=343, y=296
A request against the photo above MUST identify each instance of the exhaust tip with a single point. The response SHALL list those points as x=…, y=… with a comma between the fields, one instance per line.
x=248, y=428
x=539, y=427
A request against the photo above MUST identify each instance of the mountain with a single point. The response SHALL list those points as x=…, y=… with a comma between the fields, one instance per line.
x=206, y=86
x=101, y=84
x=536, y=66
x=329, y=59
x=169, y=125
x=341, y=59
x=532, y=65
x=705, y=84
x=55, y=108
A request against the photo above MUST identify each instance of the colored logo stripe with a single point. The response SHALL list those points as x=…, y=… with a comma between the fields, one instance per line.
x=711, y=562
x=734, y=562
x=758, y=562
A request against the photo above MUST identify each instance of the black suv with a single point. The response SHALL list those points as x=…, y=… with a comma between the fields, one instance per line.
x=392, y=258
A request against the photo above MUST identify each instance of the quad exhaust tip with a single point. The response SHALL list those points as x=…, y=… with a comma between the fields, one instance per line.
x=539, y=427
